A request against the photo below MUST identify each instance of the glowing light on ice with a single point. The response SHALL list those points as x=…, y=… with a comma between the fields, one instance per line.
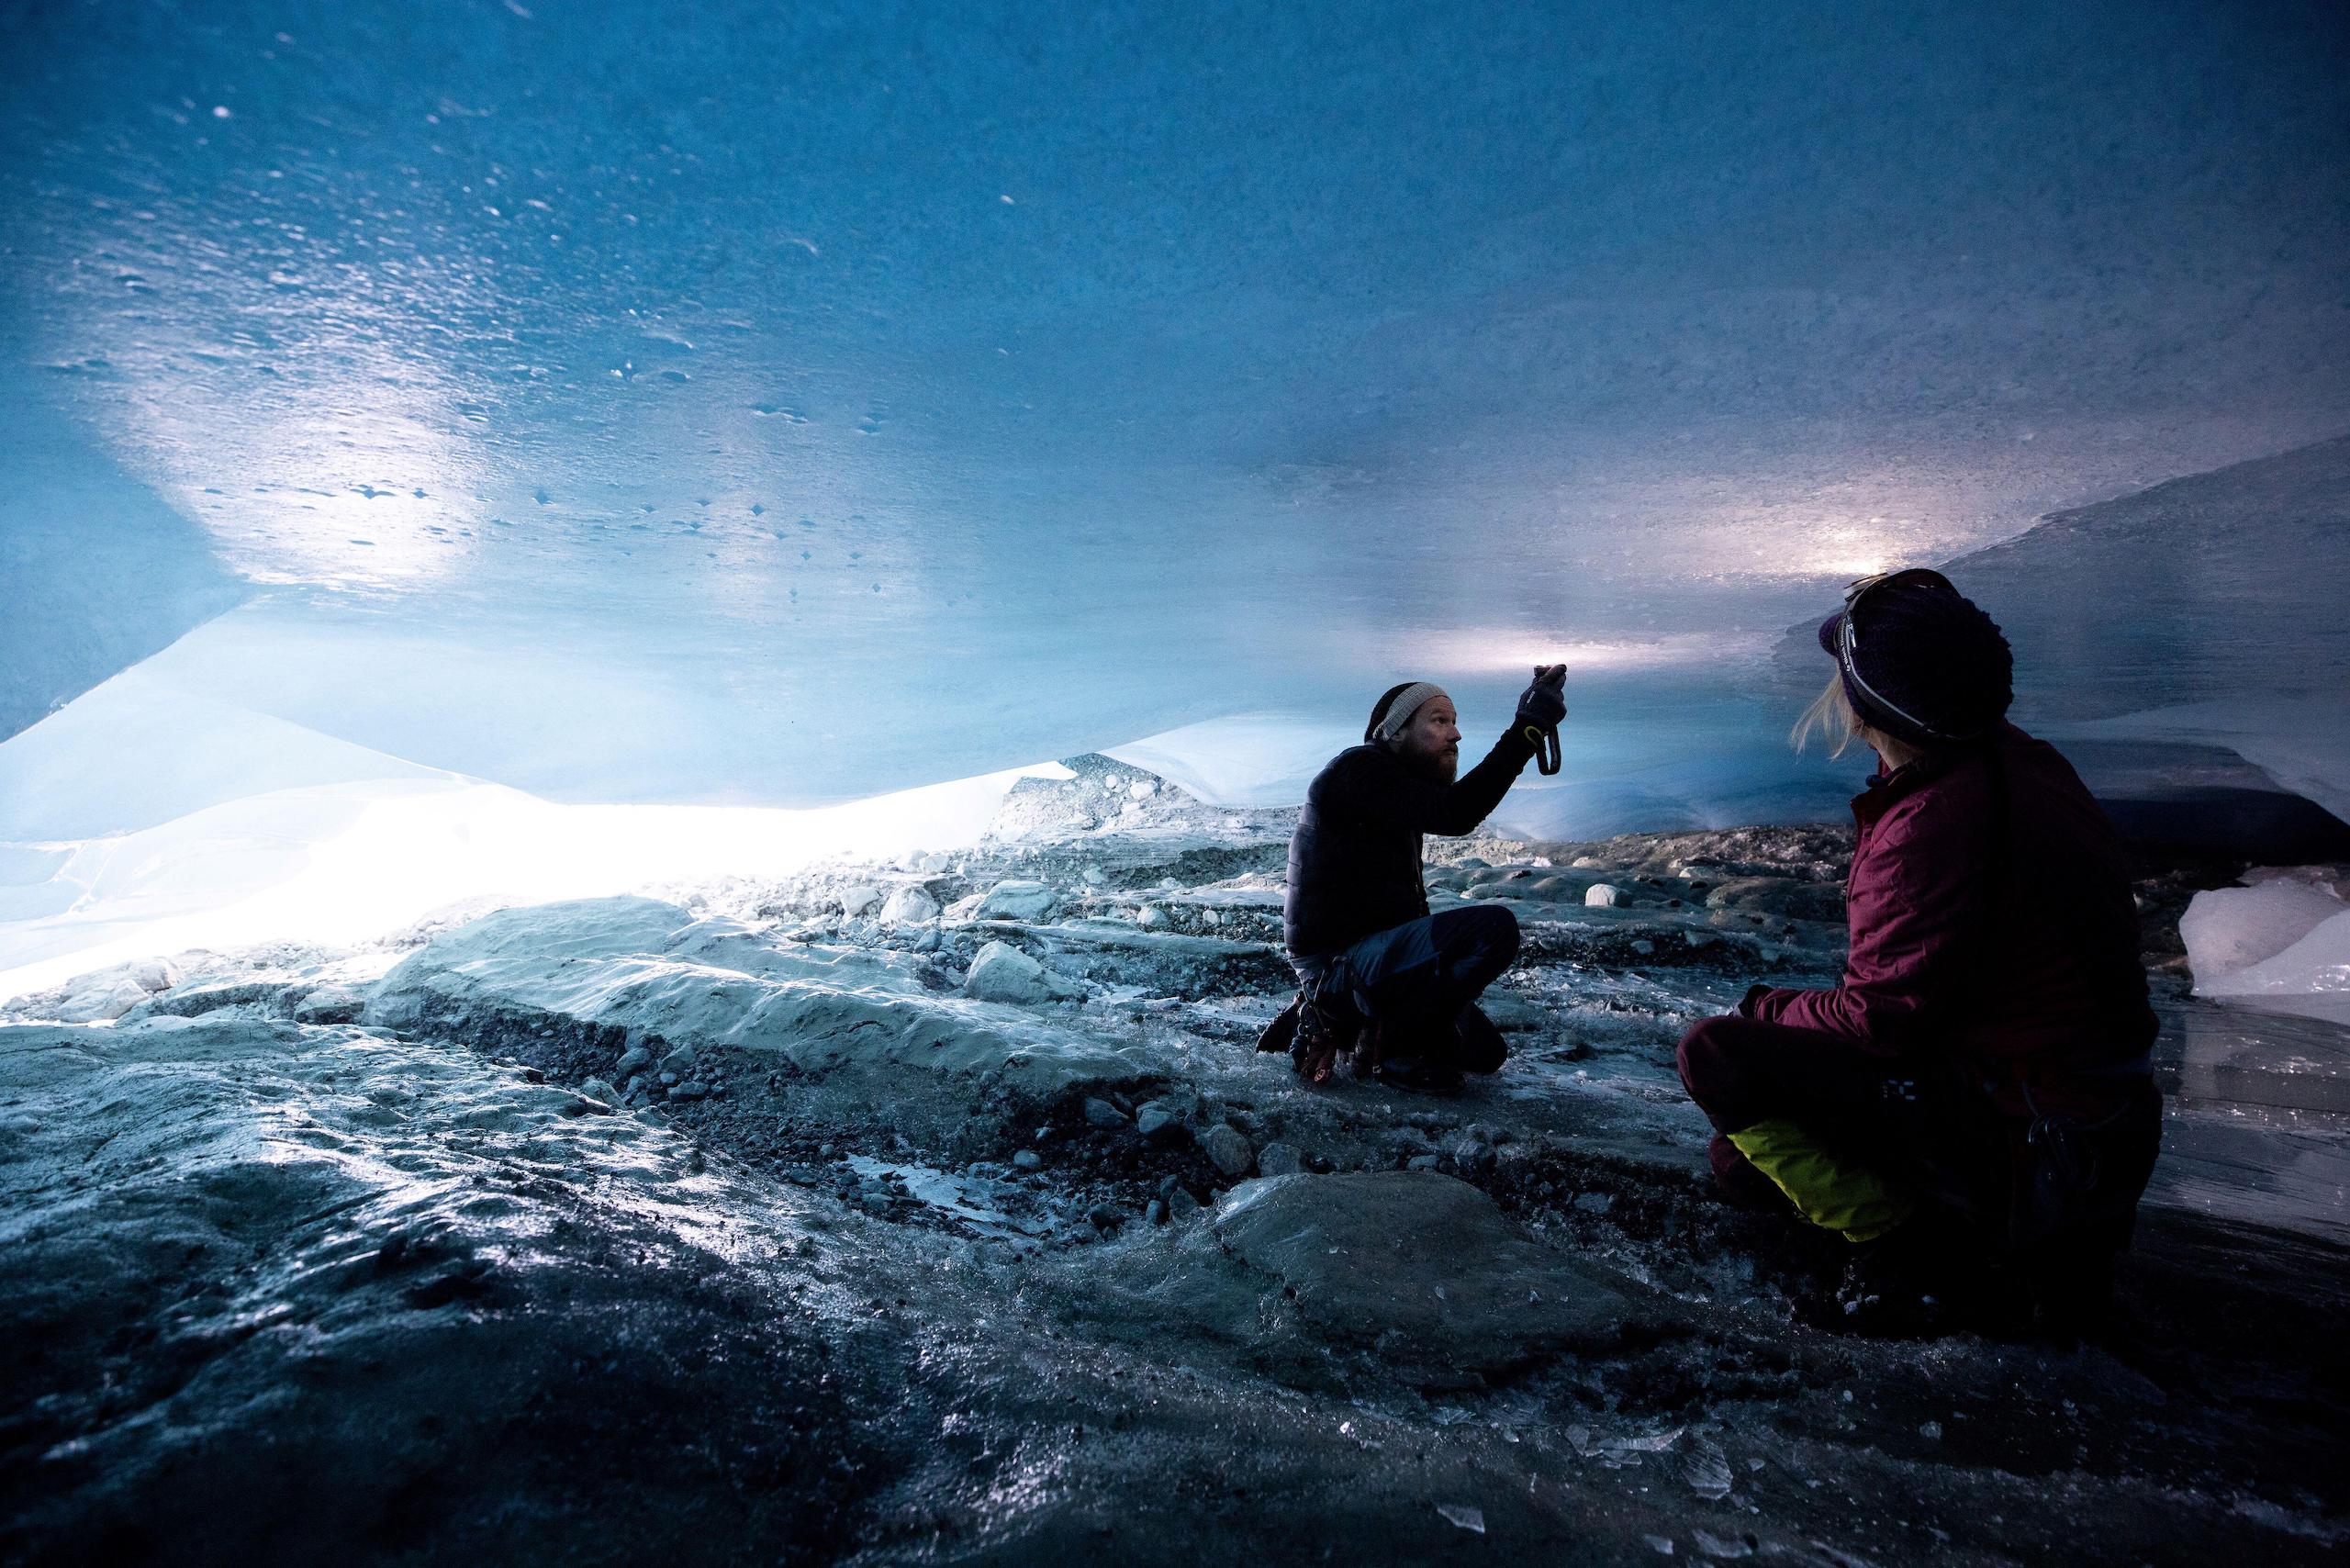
x=1484, y=650
x=344, y=863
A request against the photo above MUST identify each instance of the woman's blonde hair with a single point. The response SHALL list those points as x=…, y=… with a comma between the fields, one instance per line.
x=1832, y=714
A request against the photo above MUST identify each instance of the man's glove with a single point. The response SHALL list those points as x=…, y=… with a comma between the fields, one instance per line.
x=1754, y=994
x=1544, y=703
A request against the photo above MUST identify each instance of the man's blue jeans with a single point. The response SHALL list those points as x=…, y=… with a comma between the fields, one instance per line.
x=1425, y=975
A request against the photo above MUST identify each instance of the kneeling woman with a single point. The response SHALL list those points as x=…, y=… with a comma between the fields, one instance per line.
x=1974, y=1098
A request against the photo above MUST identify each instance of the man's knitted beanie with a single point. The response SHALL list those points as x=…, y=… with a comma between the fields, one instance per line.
x=1396, y=708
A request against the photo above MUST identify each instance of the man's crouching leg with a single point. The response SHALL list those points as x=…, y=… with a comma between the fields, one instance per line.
x=1419, y=981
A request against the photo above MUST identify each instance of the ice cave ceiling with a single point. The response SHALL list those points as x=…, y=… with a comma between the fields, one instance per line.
x=776, y=404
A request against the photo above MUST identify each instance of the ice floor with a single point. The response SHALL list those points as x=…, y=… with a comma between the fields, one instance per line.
x=935, y=1208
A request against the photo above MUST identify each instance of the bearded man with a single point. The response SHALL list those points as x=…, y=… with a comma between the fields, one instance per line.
x=1378, y=975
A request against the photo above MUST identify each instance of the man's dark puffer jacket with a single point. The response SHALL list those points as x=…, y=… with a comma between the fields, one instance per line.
x=1354, y=862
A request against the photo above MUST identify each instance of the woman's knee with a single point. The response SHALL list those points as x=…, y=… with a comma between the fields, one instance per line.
x=1703, y=1055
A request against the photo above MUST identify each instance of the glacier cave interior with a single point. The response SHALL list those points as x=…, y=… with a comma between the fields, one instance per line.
x=658, y=665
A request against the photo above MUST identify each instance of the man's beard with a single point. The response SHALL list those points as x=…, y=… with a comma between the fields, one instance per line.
x=1442, y=766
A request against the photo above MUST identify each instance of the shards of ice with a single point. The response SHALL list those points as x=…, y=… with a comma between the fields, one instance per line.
x=1707, y=1469
x=1465, y=1517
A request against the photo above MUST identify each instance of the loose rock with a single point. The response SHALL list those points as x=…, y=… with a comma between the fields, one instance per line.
x=1004, y=973
x=1279, y=1159
x=910, y=906
x=1228, y=1150
x=1017, y=900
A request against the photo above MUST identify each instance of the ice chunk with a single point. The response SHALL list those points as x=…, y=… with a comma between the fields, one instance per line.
x=2228, y=929
x=2311, y=977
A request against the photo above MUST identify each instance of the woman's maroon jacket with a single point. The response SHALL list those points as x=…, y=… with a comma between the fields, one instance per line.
x=2009, y=936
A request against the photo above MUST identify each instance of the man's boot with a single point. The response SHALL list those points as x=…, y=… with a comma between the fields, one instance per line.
x=1410, y=1057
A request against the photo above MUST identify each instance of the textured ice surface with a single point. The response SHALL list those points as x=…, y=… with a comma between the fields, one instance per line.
x=815, y=402
x=287, y=1286
x=786, y=1117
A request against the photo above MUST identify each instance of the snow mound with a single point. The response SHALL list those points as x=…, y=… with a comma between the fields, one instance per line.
x=2228, y=929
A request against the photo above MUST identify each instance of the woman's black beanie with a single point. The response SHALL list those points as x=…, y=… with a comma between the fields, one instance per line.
x=1930, y=653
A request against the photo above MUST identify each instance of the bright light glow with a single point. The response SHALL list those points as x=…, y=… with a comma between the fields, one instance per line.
x=344, y=863
x=1246, y=759
x=1477, y=650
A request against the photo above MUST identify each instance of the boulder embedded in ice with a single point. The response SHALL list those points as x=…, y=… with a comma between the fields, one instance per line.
x=1603, y=895
x=2227, y=929
x=1003, y=973
x=1150, y=917
x=1424, y=1269
x=1017, y=900
x=910, y=906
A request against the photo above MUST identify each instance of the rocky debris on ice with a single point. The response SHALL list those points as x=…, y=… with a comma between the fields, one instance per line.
x=1279, y=1159
x=866, y=1030
x=336, y=1002
x=1781, y=896
x=1105, y=796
